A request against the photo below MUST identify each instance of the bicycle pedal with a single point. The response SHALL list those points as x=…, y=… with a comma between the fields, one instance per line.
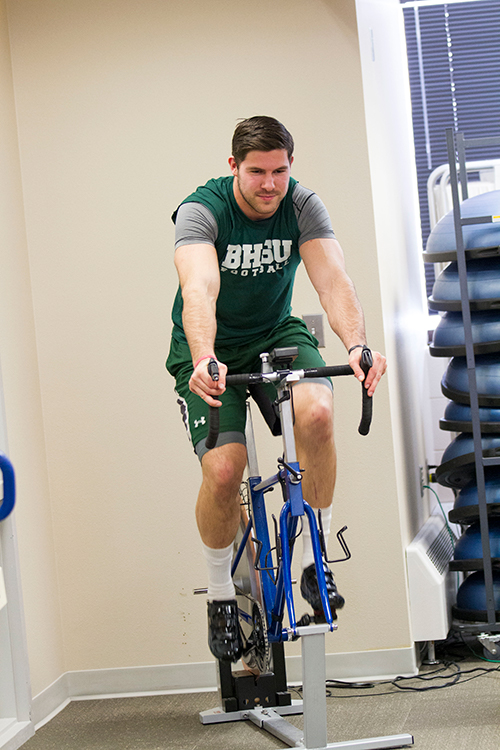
x=305, y=620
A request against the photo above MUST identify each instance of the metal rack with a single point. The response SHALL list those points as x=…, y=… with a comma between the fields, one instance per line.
x=457, y=146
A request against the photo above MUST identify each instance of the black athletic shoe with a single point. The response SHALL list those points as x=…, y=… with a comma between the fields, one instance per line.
x=310, y=590
x=224, y=636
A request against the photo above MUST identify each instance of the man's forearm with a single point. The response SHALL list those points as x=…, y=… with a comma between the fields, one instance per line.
x=200, y=329
x=345, y=314
x=198, y=270
x=324, y=261
x=199, y=323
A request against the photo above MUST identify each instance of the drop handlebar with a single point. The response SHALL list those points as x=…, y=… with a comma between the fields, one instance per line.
x=311, y=372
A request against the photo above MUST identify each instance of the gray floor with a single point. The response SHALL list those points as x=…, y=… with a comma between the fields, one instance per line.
x=462, y=716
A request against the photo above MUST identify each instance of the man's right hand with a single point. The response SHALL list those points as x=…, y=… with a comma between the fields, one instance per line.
x=202, y=384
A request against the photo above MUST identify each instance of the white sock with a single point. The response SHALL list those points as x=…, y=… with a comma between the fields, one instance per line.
x=220, y=583
x=307, y=549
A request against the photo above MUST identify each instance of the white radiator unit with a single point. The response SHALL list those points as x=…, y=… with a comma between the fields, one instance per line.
x=432, y=587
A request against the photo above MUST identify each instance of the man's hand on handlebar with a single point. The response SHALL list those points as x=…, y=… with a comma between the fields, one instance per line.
x=203, y=385
x=375, y=372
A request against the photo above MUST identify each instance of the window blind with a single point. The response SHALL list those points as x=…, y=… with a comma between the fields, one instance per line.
x=454, y=67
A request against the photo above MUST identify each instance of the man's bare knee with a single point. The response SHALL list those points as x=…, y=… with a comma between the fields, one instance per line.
x=320, y=415
x=223, y=468
x=314, y=410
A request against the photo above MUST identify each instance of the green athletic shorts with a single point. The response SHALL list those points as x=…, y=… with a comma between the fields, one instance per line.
x=243, y=358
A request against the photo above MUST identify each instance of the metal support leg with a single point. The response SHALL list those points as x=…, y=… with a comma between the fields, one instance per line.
x=314, y=694
x=431, y=654
x=313, y=707
x=313, y=685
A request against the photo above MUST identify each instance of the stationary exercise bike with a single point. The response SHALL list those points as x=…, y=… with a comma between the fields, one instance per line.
x=263, y=579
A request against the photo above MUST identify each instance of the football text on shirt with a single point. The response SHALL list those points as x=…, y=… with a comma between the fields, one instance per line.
x=263, y=256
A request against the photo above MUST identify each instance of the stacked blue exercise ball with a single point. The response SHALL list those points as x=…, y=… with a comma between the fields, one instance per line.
x=466, y=506
x=469, y=546
x=458, y=468
x=471, y=596
x=480, y=240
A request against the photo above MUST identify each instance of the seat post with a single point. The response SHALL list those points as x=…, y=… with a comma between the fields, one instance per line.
x=252, y=462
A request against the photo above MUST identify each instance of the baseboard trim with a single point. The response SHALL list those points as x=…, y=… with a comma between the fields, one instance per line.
x=175, y=678
x=14, y=736
x=122, y=681
x=363, y=666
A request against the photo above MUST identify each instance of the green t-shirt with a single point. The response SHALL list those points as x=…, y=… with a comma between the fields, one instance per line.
x=257, y=263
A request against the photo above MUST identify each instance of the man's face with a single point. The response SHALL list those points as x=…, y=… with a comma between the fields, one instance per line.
x=261, y=182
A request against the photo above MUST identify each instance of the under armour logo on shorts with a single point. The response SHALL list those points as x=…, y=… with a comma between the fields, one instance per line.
x=198, y=422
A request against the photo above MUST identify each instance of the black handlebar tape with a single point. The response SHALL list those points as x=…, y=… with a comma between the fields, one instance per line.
x=213, y=415
x=328, y=372
x=245, y=378
x=213, y=427
x=366, y=362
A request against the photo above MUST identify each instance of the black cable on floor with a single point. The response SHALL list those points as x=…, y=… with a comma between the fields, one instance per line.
x=457, y=677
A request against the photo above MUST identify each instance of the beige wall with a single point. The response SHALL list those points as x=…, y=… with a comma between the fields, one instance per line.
x=399, y=244
x=123, y=108
x=19, y=372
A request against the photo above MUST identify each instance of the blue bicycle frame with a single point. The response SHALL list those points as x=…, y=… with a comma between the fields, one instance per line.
x=278, y=591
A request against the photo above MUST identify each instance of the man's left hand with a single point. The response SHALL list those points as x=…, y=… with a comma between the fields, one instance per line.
x=374, y=373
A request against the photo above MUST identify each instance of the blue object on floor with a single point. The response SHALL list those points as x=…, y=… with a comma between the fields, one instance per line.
x=480, y=240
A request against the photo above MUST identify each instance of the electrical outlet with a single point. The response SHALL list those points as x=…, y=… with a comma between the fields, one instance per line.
x=314, y=325
x=425, y=478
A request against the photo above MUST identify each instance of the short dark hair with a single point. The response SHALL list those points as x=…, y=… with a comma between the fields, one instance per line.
x=260, y=133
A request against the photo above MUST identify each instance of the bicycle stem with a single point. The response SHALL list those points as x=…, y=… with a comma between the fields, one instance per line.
x=286, y=416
